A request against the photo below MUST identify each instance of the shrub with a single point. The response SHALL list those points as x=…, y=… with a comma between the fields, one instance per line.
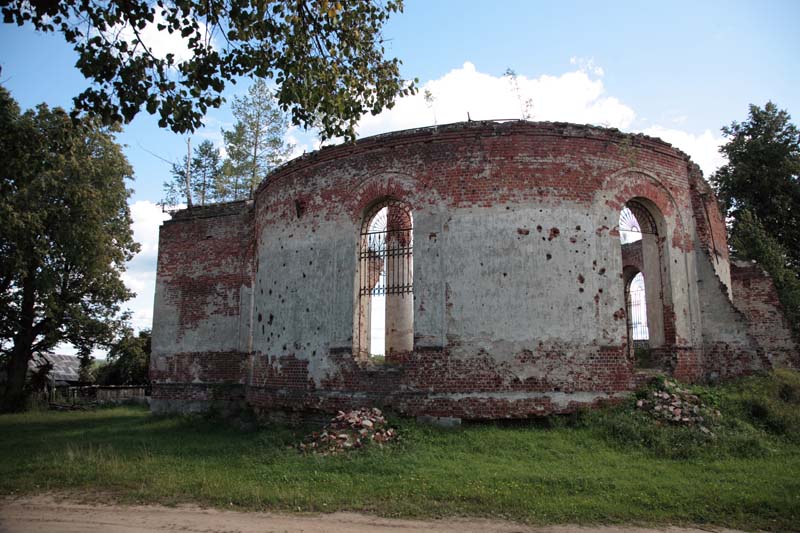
x=771, y=403
x=754, y=412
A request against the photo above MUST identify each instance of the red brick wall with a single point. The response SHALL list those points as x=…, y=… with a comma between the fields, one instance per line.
x=632, y=255
x=517, y=162
x=295, y=259
x=204, y=257
x=432, y=382
x=204, y=265
x=710, y=223
x=754, y=295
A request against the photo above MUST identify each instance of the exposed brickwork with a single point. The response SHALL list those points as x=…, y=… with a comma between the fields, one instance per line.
x=710, y=223
x=632, y=255
x=570, y=163
x=204, y=257
x=754, y=295
x=198, y=392
x=468, y=407
x=204, y=367
x=283, y=383
x=518, y=277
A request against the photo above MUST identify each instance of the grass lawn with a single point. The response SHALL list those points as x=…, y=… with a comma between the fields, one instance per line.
x=576, y=473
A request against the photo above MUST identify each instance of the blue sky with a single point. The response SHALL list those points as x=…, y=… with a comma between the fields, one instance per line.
x=679, y=70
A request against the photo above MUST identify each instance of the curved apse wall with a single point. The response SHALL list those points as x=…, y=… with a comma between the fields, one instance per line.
x=504, y=298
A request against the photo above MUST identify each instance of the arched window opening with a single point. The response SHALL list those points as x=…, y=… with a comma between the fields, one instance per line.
x=386, y=282
x=637, y=309
x=629, y=229
x=642, y=278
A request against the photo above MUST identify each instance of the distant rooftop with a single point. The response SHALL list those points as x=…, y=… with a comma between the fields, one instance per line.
x=65, y=367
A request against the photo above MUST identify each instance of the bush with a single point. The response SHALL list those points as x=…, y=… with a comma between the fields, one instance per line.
x=634, y=429
x=754, y=412
x=770, y=403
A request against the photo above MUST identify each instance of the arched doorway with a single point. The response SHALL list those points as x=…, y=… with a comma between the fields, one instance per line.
x=644, y=274
x=385, y=312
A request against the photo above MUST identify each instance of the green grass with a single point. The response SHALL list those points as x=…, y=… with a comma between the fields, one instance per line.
x=607, y=467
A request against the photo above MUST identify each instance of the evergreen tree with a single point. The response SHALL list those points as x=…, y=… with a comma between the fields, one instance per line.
x=235, y=168
x=177, y=190
x=207, y=173
x=257, y=143
x=205, y=183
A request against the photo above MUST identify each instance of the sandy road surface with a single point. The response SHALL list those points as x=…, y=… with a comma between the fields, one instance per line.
x=46, y=513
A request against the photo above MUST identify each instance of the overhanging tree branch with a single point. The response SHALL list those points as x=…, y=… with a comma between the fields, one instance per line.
x=334, y=49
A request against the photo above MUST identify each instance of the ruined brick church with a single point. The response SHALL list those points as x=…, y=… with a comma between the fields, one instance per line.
x=475, y=270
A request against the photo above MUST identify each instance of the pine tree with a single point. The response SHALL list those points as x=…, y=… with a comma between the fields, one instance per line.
x=207, y=173
x=205, y=182
x=257, y=142
x=235, y=169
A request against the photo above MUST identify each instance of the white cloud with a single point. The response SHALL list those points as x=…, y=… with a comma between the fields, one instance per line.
x=301, y=141
x=577, y=96
x=160, y=42
x=571, y=97
x=703, y=149
x=587, y=65
x=141, y=274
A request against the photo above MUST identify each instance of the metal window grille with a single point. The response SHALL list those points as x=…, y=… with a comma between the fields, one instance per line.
x=386, y=251
x=638, y=314
x=634, y=221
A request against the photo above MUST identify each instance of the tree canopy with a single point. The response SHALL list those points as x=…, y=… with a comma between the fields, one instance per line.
x=205, y=183
x=759, y=189
x=763, y=175
x=128, y=360
x=326, y=57
x=254, y=146
x=65, y=235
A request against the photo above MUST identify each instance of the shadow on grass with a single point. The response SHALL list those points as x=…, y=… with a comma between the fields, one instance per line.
x=582, y=471
x=129, y=431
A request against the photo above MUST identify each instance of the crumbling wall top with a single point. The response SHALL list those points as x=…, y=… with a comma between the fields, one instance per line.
x=211, y=210
x=473, y=129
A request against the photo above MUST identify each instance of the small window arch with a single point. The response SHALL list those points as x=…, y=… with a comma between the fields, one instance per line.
x=637, y=309
x=385, y=314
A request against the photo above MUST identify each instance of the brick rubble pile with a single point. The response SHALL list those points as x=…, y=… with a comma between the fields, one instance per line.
x=675, y=405
x=350, y=430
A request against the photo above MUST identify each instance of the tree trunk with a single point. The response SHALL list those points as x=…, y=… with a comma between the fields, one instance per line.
x=255, y=165
x=189, y=172
x=203, y=189
x=14, y=398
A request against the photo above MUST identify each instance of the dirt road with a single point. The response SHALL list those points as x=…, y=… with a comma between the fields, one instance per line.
x=46, y=513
